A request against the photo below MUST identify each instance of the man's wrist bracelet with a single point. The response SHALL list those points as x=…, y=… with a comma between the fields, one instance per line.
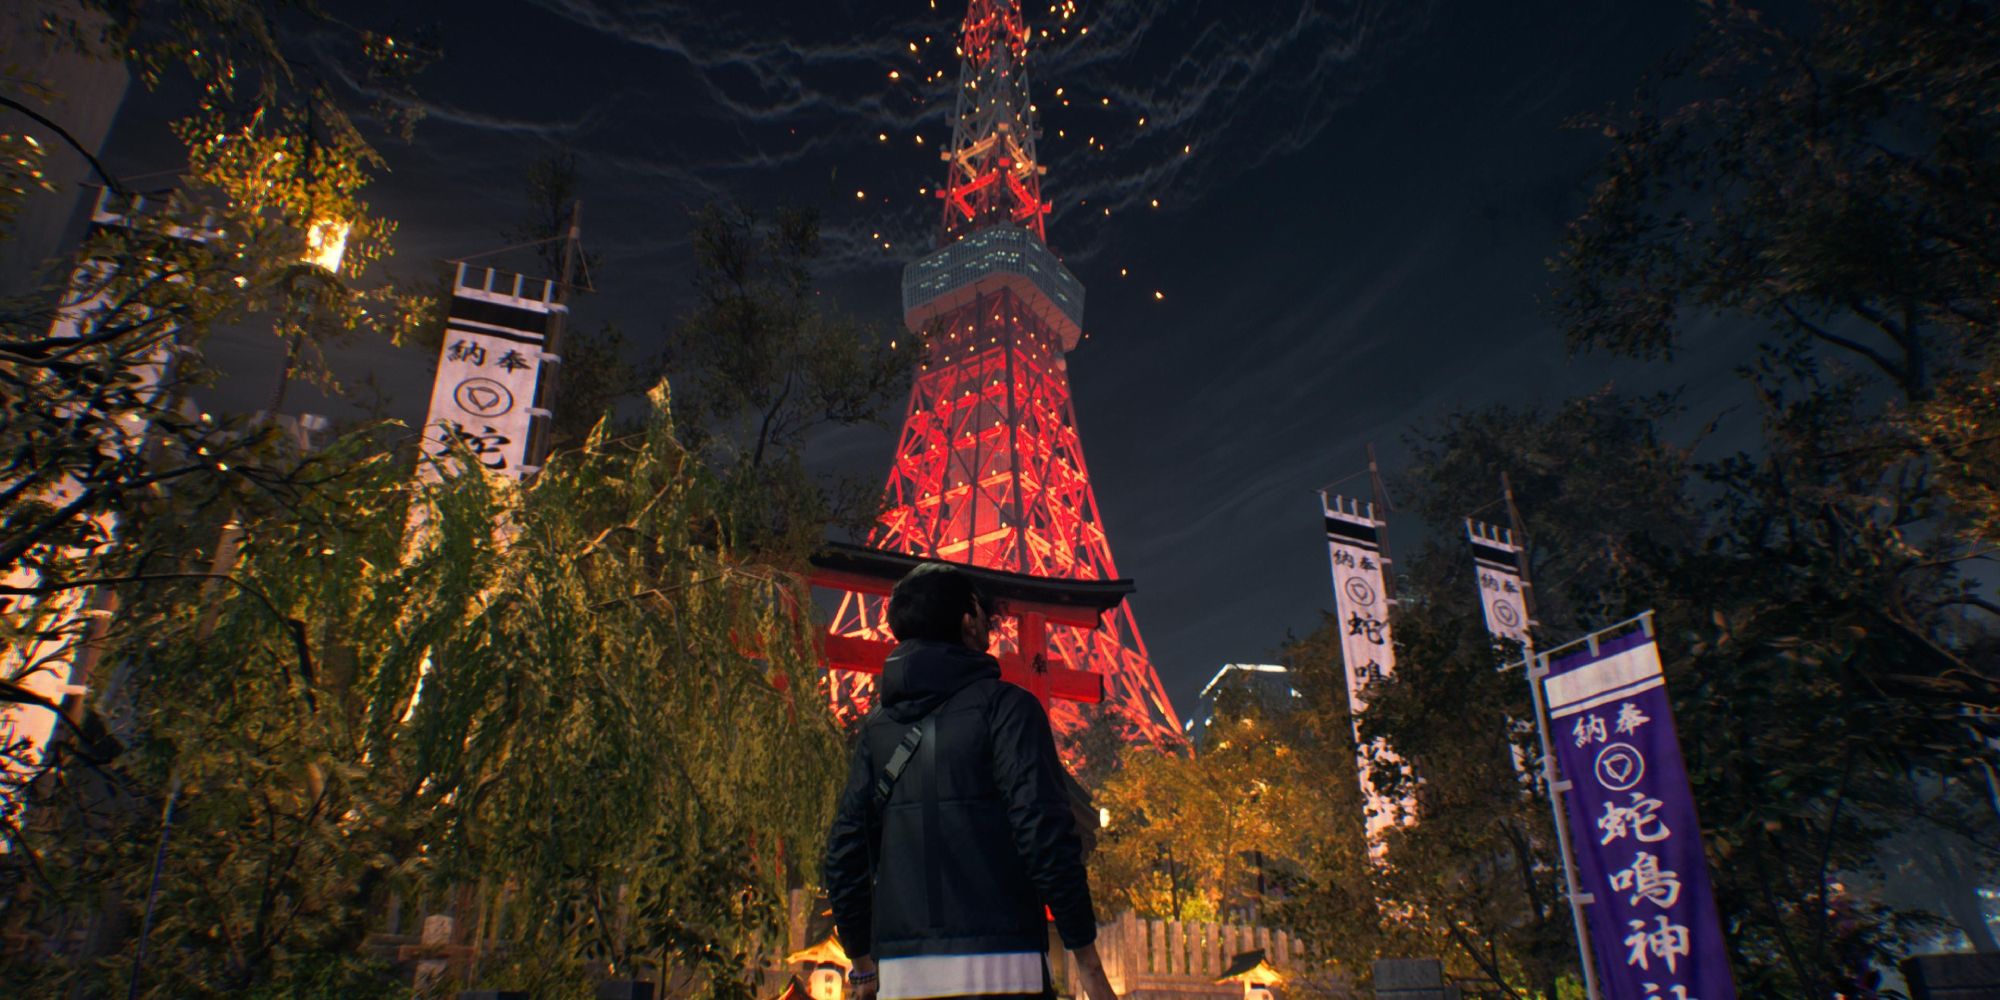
x=857, y=976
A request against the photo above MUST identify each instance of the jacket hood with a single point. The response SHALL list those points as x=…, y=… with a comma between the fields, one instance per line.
x=919, y=675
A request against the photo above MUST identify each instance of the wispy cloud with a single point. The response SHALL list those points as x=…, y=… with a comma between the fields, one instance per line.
x=1221, y=88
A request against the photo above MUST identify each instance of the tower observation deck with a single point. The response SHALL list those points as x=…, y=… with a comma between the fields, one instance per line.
x=989, y=469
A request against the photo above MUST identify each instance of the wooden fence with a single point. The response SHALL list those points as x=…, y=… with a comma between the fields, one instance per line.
x=1145, y=959
x=1182, y=957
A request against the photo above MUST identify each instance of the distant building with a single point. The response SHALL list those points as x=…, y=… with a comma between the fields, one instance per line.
x=86, y=95
x=1266, y=682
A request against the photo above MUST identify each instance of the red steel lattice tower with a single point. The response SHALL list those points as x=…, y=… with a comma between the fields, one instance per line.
x=989, y=470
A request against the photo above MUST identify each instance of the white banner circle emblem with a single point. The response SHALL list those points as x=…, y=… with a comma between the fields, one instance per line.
x=1620, y=766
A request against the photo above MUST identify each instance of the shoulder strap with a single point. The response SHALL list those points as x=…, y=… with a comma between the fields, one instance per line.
x=885, y=783
x=898, y=760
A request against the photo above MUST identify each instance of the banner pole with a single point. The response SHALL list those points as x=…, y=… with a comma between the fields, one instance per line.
x=1538, y=668
x=1380, y=513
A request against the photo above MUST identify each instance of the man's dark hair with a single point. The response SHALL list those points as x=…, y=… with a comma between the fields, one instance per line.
x=932, y=602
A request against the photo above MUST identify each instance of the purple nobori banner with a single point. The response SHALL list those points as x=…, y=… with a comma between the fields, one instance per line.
x=1631, y=813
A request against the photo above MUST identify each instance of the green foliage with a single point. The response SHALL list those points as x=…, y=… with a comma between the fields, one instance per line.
x=587, y=697
x=1834, y=181
x=1819, y=665
x=270, y=154
x=591, y=706
x=1330, y=897
x=1829, y=177
x=596, y=373
x=1234, y=828
x=769, y=361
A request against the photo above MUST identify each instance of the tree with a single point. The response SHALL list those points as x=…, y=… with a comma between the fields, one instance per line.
x=1829, y=171
x=1477, y=878
x=594, y=711
x=1828, y=174
x=767, y=364
x=1818, y=670
x=1227, y=832
x=596, y=374
x=1331, y=892
x=94, y=427
x=339, y=681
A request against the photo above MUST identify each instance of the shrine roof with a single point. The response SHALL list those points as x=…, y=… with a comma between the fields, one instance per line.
x=867, y=570
x=1251, y=967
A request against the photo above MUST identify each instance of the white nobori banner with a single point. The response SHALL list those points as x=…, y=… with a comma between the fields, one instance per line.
x=1361, y=603
x=1496, y=558
x=46, y=664
x=489, y=369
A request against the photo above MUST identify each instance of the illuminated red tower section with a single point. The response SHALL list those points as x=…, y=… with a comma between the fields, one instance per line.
x=989, y=470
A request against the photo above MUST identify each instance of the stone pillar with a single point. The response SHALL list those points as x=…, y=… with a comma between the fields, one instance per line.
x=434, y=940
x=625, y=989
x=1412, y=979
x=1963, y=976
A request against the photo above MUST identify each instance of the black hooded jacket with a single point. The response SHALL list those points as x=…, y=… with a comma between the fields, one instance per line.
x=977, y=834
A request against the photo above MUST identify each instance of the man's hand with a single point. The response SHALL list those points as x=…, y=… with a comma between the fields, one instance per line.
x=1095, y=984
x=864, y=965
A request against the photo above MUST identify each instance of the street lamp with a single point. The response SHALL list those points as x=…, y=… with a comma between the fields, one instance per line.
x=326, y=245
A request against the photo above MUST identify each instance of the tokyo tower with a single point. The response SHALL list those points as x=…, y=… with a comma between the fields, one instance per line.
x=989, y=470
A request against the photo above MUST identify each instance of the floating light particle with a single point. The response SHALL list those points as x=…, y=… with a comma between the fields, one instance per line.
x=1189, y=148
x=1159, y=296
x=1142, y=121
x=894, y=75
x=860, y=194
x=1156, y=203
x=1107, y=102
x=882, y=137
x=1123, y=272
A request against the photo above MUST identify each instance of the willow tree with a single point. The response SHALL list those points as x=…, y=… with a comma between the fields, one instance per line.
x=574, y=692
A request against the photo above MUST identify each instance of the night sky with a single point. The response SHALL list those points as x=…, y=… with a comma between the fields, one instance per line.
x=1356, y=200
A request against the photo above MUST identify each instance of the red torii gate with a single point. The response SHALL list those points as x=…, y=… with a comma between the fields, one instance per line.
x=1035, y=603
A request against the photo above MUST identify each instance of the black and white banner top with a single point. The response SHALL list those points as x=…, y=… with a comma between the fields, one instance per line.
x=1497, y=559
x=489, y=369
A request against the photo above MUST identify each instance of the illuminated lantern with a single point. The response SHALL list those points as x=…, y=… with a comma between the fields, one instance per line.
x=829, y=963
x=1256, y=975
x=326, y=243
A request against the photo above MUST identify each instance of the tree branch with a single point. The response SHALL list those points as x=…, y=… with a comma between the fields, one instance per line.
x=98, y=168
x=1819, y=332
x=295, y=630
